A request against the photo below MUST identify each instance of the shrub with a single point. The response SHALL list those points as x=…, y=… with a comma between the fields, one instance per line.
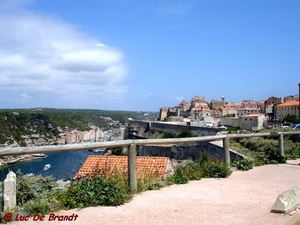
x=145, y=185
x=215, y=169
x=293, y=154
x=243, y=164
x=212, y=167
x=169, y=135
x=202, y=167
x=30, y=188
x=39, y=206
x=185, y=132
x=149, y=182
x=95, y=190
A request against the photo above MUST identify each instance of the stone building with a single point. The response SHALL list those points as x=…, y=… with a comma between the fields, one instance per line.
x=291, y=98
x=269, y=104
x=252, y=122
x=287, y=108
x=163, y=113
x=214, y=104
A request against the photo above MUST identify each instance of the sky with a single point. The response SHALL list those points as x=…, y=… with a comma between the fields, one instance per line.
x=142, y=55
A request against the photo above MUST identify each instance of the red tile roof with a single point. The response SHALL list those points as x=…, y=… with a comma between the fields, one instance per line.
x=106, y=165
x=289, y=103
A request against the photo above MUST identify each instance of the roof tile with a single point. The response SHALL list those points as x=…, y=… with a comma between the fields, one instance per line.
x=106, y=165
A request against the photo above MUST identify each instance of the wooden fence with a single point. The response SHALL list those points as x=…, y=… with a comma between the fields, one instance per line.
x=131, y=145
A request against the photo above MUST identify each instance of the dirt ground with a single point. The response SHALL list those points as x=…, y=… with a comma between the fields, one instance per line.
x=243, y=198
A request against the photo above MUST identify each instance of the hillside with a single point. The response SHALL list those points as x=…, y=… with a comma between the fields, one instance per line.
x=43, y=126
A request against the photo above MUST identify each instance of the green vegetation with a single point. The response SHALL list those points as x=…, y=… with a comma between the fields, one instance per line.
x=233, y=129
x=204, y=167
x=115, y=151
x=15, y=123
x=95, y=190
x=32, y=193
x=264, y=150
x=290, y=119
x=185, y=132
x=242, y=164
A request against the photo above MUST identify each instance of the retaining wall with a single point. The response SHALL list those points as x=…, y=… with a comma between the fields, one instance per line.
x=187, y=151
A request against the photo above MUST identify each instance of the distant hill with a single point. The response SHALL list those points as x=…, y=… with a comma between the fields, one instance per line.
x=18, y=124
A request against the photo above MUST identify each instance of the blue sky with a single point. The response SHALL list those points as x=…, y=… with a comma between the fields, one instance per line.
x=142, y=55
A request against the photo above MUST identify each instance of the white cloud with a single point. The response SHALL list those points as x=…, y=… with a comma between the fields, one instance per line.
x=47, y=61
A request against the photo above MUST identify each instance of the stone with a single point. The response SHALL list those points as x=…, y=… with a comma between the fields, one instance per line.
x=10, y=191
x=287, y=201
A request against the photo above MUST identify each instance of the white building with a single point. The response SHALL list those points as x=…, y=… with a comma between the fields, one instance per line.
x=252, y=122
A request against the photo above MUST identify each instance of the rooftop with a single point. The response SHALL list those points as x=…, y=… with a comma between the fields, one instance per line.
x=289, y=103
x=107, y=165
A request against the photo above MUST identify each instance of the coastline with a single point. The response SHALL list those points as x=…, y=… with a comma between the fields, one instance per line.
x=8, y=160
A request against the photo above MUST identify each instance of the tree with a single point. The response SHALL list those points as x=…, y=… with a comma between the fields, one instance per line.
x=290, y=119
x=185, y=132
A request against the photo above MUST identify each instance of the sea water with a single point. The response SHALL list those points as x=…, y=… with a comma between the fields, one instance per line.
x=64, y=165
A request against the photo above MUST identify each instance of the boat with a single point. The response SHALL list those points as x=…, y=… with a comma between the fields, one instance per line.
x=47, y=167
x=30, y=175
x=39, y=156
x=99, y=150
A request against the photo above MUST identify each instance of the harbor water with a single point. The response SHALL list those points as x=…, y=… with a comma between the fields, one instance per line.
x=64, y=165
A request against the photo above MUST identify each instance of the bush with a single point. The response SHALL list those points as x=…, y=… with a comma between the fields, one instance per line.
x=243, y=164
x=30, y=188
x=143, y=185
x=215, y=169
x=94, y=190
x=39, y=206
x=202, y=167
x=185, y=132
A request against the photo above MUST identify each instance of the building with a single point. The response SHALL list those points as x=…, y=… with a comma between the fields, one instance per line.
x=76, y=136
x=184, y=105
x=200, y=110
x=286, y=109
x=269, y=105
x=163, y=113
x=247, y=111
x=252, y=122
x=235, y=105
x=273, y=101
x=291, y=98
x=216, y=103
x=73, y=137
x=248, y=122
x=249, y=104
x=230, y=121
x=231, y=112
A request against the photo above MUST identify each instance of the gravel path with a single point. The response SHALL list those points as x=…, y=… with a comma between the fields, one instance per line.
x=243, y=198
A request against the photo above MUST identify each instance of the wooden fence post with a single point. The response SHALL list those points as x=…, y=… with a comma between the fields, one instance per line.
x=226, y=151
x=132, y=177
x=280, y=144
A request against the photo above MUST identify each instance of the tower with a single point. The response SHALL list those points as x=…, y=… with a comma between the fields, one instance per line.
x=223, y=100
